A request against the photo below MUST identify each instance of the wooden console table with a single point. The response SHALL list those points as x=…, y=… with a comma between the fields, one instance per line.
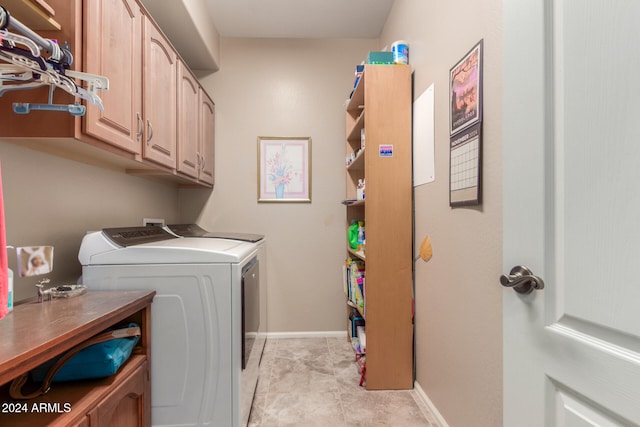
x=34, y=333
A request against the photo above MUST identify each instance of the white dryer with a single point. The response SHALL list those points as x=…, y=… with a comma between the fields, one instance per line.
x=196, y=316
x=254, y=309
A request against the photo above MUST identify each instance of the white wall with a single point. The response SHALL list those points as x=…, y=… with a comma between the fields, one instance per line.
x=54, y=201
x=190, y=29
x=279, y=87
x=458, y=297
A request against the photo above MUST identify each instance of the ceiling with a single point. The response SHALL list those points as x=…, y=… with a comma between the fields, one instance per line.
x=299, y=18
x=310, y=19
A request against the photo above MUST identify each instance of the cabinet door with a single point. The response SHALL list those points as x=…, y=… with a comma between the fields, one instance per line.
x=207, y=139
x=84, y=422
x=188, y=123
x=160, y=83
x=113, y=48
x=125, y=405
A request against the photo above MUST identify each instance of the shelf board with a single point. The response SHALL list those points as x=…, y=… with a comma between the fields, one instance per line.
x=355, y=133
x=35, y=14
x=357, y=254
x=358, y=163
x=351, y=202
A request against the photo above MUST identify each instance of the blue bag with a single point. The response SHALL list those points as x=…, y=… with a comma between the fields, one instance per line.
x=98, y=357
x=96, y=361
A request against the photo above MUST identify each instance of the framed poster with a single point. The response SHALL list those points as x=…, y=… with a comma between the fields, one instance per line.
x=465, y=91
x=284, y=169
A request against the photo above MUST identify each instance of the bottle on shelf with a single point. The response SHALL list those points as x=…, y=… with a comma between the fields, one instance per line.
x=360, y=189
x=361, y=236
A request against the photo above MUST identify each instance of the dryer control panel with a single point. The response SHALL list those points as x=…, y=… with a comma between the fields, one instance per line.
x=129, y=236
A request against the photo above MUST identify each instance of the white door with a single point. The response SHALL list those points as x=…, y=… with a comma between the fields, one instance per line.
x=572, y=212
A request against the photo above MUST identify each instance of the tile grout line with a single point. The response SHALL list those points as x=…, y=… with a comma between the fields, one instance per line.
x=335, y=377
x=271, y=355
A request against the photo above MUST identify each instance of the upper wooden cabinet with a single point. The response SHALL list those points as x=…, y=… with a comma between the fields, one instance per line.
x=140, y=107
x=196, y=117
x=160, y=87
x=138, y=129
x=117, y=56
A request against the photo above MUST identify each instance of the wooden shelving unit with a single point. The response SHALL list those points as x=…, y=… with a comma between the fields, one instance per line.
x=381, y=105
x=36, y=14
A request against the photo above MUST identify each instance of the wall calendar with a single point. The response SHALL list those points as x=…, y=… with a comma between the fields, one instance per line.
x=465, y=129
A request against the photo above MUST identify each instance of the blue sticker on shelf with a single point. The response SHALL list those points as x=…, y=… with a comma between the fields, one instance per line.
x=386, y=150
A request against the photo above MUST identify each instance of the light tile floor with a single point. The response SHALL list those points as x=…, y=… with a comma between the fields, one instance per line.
x=314, y=382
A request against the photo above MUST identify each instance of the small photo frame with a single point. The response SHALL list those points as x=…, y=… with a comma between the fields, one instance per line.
x=35, y=260
x=284, y=169
x=465, y=91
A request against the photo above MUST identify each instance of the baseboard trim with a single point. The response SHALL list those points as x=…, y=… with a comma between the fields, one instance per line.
x=307, y=334
x=420, y=394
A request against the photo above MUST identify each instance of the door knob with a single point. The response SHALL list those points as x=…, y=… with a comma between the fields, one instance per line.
x=522, y=280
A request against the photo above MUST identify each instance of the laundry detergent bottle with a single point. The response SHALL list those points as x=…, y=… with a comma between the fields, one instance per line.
x=361, y=236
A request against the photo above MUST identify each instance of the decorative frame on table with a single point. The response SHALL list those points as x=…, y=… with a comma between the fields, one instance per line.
x=284, y=169
x=465, y=128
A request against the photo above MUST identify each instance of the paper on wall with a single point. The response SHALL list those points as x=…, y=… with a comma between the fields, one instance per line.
x=423, y=138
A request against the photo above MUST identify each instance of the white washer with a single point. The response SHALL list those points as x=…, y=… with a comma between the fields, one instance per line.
x=195, y=316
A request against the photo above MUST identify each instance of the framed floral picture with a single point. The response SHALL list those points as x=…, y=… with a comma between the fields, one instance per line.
x=284, y=169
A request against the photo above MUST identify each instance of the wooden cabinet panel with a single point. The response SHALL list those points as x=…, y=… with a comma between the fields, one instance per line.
x=113, y=48
x=188, y=122
x=196, y=118
x=84, y=422
x=160, y=82
x=207, y=139
x=125, y=406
